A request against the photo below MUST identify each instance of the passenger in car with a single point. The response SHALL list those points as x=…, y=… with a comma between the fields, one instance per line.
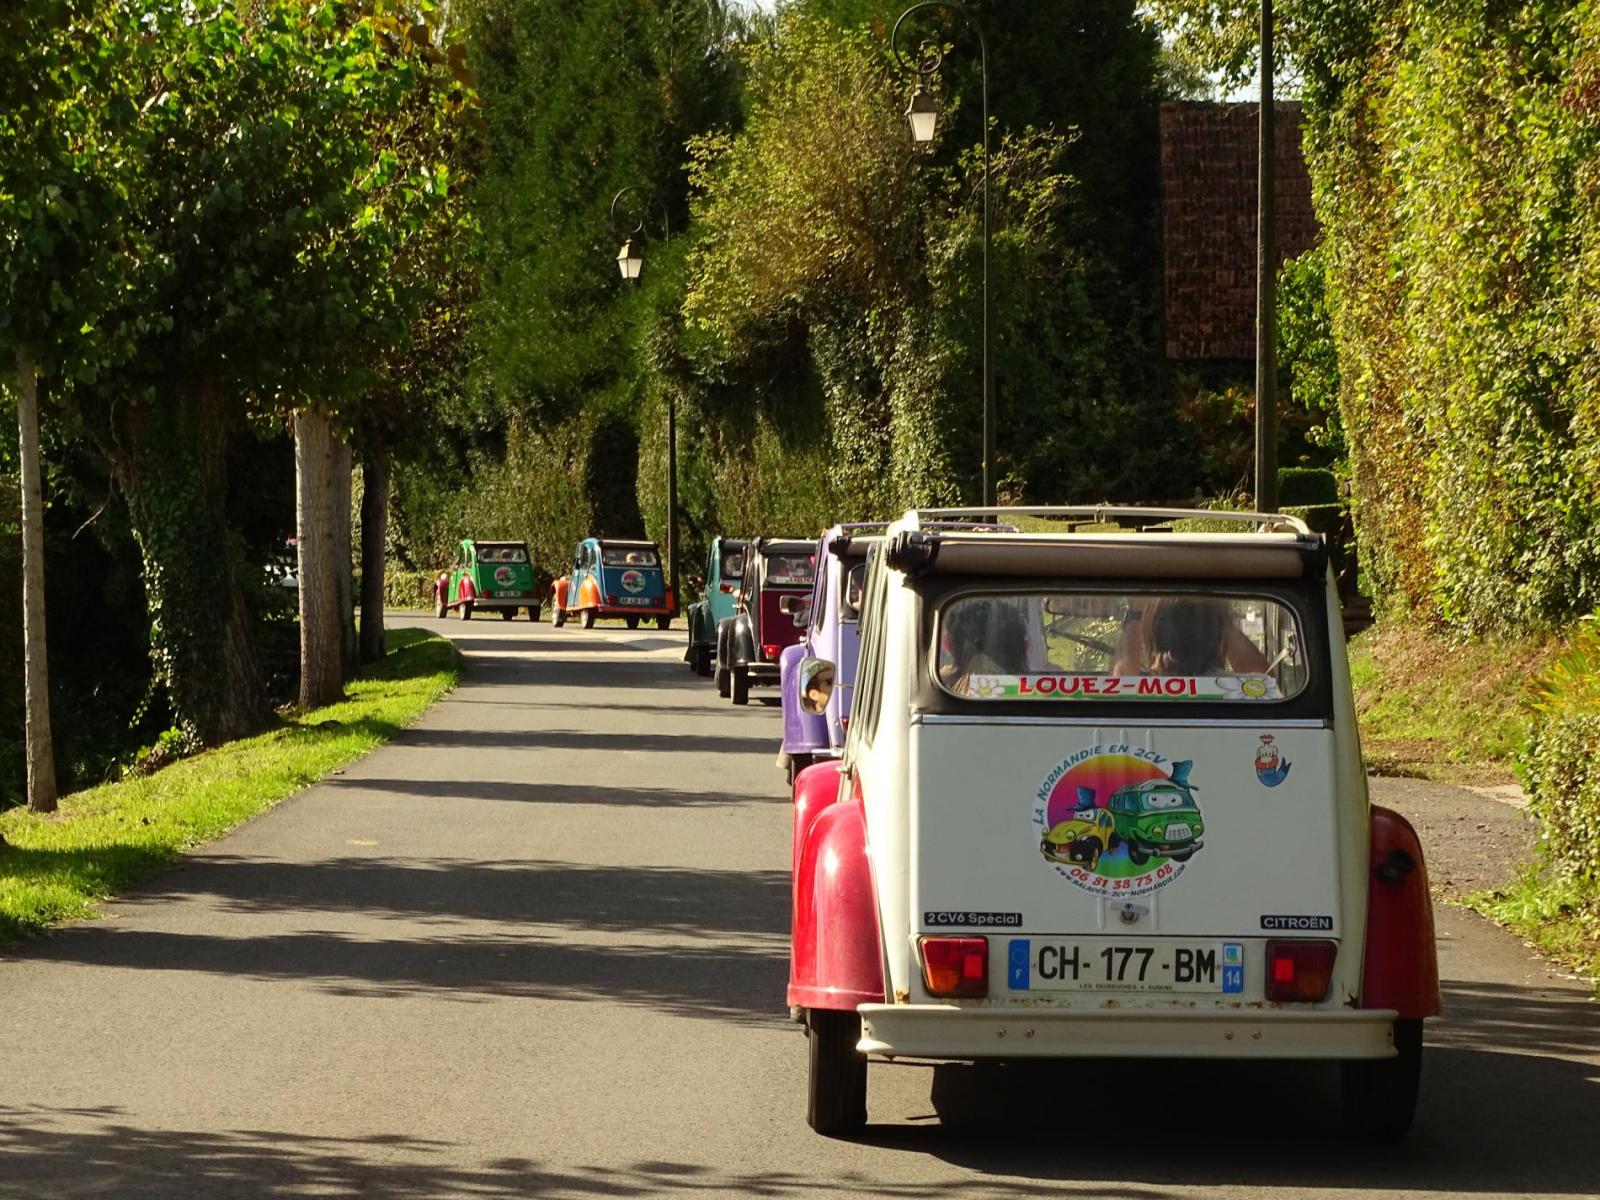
x=1185, y=635
x=982, y=638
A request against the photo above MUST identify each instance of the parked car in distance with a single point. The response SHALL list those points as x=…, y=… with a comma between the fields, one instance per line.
x=769, y=615
x=1039, y=720
x=490, y=577
x=724, y=568
x=830, y=633
x=614, y=578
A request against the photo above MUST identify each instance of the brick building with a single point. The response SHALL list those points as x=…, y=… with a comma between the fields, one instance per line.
x=1208, y=224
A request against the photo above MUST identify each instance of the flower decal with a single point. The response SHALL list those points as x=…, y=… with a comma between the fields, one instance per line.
x=1247, y=687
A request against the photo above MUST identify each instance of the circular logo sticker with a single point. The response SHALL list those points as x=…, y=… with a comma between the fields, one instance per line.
x=633, y=582
x=505, y=576
x=1118, y=820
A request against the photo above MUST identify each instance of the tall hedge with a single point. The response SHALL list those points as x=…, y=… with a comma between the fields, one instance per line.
x=1455, y=154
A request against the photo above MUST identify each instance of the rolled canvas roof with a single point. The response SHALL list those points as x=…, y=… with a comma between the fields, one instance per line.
x=1162, y=556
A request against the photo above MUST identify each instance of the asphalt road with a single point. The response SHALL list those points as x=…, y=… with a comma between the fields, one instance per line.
x=536, y=948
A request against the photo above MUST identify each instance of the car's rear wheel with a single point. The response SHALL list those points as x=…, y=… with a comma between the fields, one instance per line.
x=836, y=1084
x=633, y=622
x=508, y=614
x=466, y=610
x=533, y=612
x=588, y=618
x=663, y=622
x=1380, y=1094
x=740, y=691
x=702, y=663
x=558, y=618
x=439, y=610
x=722, y=682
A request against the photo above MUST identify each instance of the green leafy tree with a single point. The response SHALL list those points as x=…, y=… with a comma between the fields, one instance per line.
x=65, y=104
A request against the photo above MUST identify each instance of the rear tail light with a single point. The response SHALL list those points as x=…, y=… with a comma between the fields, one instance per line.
x=1299, y=970
x=725, y=588
x=610, y=599
x=955, y=966
x=771, y=652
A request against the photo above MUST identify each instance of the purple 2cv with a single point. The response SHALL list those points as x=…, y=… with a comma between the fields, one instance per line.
x=831, y=633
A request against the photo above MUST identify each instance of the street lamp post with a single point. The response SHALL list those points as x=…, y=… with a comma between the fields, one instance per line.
x=630, y=264
x=1266, y=282
x=923, y=115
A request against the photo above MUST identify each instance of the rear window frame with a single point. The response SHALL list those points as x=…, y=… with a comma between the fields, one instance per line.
x=1304, y=598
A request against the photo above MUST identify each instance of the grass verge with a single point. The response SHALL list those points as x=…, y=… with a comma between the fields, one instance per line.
x=59, y=866
x=1443, y=709
x=1559, y=916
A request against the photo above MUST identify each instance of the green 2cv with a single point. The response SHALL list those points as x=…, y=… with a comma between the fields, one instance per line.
x=1159, y=816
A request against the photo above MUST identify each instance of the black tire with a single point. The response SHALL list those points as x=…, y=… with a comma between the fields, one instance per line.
x=663, y=623
x=739, y=692
x=1093, y=847
x=702, y=664
x=836, y=1083
x=508, y=614
x=633, y=622
x=588, y=618
x=1114, y=841
x=1137, y=854
x=559, y=618
x=439, y=610
x=722, y=682
x=466, y=610
x=1181, y=855
x=1380, y=1094
x=533, y=613
x=798, y=763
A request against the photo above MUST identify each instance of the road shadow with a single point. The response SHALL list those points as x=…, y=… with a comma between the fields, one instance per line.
x=609, y=674
x=553, y=793
x=594, y=740
x=59, y=1152
x=701, y=943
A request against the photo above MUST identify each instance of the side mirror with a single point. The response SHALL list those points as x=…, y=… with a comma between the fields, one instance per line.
x=814, y=685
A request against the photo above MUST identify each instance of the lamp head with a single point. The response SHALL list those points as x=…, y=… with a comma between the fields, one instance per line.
x=629, y=261
x=923, y=114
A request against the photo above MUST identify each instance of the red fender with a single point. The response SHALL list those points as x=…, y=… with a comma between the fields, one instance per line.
x=815, y=787
x=1402, y=967
x=558, y=593
x=835, y=960
x=466, y=589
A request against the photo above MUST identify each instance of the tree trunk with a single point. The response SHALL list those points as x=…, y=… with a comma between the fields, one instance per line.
x=172, y=467
x=316, y=518
x=343, y=467
x=374, y=538
x=40, y=746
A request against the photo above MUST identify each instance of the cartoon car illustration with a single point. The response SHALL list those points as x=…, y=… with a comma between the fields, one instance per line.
x=1159, y=816
x=1084, y=836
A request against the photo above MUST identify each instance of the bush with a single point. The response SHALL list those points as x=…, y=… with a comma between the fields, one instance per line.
x=407, y=589
x=1559, y=765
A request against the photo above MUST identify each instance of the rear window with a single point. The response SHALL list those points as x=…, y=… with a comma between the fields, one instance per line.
x=502, y=554
x=628, y=556
x=1058, y=646
x=732, y=565
x=850, y=592
x=789, y=570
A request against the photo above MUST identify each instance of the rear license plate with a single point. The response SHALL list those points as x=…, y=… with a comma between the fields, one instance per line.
x=634, y=600
x=1068, y=965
